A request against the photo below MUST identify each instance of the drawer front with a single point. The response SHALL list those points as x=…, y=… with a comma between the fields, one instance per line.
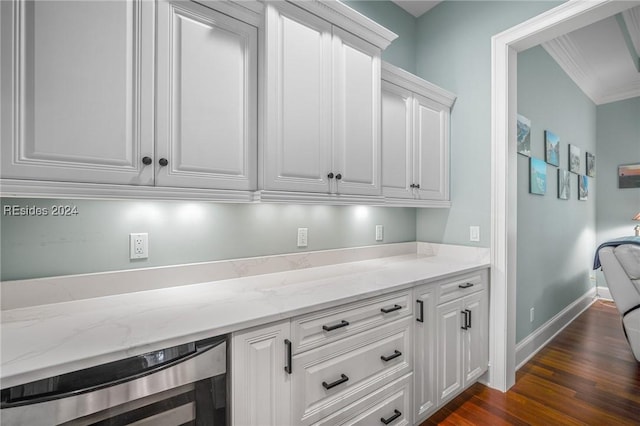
x=319, y=328
x=461, y=286
x=329, y=378
x=391, y=403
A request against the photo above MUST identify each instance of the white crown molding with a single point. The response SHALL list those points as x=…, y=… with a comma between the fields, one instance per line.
x=402, y=78
x=249, y=11
x=348, y=19
x=632, y=21
x=573, y=63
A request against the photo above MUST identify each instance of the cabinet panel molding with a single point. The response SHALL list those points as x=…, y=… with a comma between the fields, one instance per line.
x=207, y=96
x=85, y=112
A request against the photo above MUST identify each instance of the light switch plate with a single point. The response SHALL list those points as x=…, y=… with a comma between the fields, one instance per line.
x=474, y=233
x=379, y=232
x=302, y=237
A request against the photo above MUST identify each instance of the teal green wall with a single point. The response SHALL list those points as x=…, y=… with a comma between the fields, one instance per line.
x=556, y=238
x=618, y=130
x=402, y=51
x=454, y=52
x=97, y=238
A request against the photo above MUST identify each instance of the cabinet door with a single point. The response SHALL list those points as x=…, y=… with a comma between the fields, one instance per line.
x=397, y=141
x=207, y=96
x=431, y=145
x=356, y=119
x=297, y=149
x=77, y=90
x=476, y=338
x=260, y=386
x=450, y=345
x=425, y=353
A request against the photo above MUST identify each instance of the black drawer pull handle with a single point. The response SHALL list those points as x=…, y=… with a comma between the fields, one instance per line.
x=396, y=354
x=465, y=321
x=387, y=310
x=421, y=317
x=287, y=344
x=467, y=285
x=396, y=414
x=340, y=381
x=342, y=323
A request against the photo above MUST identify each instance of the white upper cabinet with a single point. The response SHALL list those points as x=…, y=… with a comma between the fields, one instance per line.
x=77, y=90
x=157, y=94
x=297, y=152
x=207, y=97
x=322, y=111
x=415, y=141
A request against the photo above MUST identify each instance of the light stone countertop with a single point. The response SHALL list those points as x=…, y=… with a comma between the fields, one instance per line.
x=51, y=339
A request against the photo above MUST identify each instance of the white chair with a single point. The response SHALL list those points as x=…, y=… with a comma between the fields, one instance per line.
x=621, y=267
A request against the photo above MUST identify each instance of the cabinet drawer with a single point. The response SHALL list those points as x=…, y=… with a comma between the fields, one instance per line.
x=458, y=287
x=333, y=376
x=319, y=328
x=391, y=403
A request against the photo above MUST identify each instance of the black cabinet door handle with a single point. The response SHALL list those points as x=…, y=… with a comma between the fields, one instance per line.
x=330, y=175
x=287, y=344
x=396, y=414
x=467, y=285
x=340, y=381
x=465, y=320
x=396, y=354
x=147, y=160
x=421, y=310
x=163, y=162
x=341, y=324
x=387, y=310
x=468, y=318
x=338, y=176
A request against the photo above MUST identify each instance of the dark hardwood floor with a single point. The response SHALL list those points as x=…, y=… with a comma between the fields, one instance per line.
x=585, y=376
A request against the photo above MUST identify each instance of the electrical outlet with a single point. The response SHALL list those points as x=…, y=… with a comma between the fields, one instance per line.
x=139, y=246
x=474, y=233
x=379, y=232
x=531, y=314
x=302, y=237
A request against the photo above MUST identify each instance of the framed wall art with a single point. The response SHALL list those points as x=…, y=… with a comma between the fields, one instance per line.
x=583, y=187
x=537, y=176
x=590, y=164
x=574, y=159
x=629, y=176
x=551, y=148
x=524, y=135
x=564, y=184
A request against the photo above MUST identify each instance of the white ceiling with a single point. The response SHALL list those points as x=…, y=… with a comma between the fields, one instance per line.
x=416, y=7
x=603, y=59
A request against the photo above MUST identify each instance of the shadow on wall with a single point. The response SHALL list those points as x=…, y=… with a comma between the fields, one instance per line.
x=433, y=227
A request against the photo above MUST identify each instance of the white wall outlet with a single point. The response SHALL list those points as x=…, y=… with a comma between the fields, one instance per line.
x=531, y=314
x=379, y=232
x=474, y=233
x=139, y=246
x=302, y=237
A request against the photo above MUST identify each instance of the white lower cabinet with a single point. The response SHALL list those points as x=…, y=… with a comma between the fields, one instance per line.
x=333, y=376
x=462, y=343
x=392, y=359
x=260, y=385
x=424, y=389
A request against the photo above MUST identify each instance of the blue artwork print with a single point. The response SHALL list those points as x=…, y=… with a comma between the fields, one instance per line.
x=552, y=148
x=538, y=176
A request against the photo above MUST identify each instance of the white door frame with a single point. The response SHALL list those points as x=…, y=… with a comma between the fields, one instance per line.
x=565, y=18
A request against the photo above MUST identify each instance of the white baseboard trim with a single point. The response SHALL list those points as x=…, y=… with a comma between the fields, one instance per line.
x=604, y=293
x=537, y=340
